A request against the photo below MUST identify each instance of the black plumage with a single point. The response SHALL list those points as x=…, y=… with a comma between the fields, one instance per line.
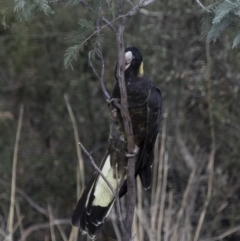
x=145, y=108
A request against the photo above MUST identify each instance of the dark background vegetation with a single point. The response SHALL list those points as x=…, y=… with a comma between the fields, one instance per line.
x=168, y=34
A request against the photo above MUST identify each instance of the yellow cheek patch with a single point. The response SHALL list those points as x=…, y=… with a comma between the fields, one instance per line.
x=140, y=72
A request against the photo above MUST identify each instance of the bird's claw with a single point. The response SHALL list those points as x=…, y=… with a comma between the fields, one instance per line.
x=114, y=113
x=115, y=102
x=133, y=153
x=111, y=100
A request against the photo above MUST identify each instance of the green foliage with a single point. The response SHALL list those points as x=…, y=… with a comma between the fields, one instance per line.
x=25, y=7
x=112, y=8
x=236, y=41
x=222, y=10
x=73, y=2
x=81, y=38
x=218, y=27
x=206, y=26
x=226, y=13
x=72, y=54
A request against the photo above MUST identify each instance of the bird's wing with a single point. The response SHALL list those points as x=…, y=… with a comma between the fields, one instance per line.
x=153, y=125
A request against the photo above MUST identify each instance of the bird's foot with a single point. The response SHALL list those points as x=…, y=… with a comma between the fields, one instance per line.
x=114, y=113
x=133, y=153
x=114, y=102
x=111, y=100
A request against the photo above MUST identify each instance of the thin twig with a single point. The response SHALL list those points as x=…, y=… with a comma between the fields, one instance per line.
x=32, y=203
x=16, y=225
x=156, y=193
x=19, y=218
x=14, y=169
x=168, y=217
x=98, y=169
x=155, y=168
x=183, y=204
x=102, y=73
x=223, y=235
x=115, y=226
x=53, y=236
x=119, y=213
x=203, y=7
x=106, y=21
x=37, y=227
x=213, y=145
x=137, y=8
x=188, y=158
x=79, y=153
x=139, y=207
x=73, y=234
x=60, y=229
x=126, y=16
x=144, y=222
x=163, y=197
x=3, y=233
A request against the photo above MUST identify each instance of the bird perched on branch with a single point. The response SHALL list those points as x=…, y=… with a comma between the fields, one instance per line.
x=145, y=108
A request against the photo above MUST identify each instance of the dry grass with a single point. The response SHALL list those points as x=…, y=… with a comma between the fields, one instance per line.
x=10, y=228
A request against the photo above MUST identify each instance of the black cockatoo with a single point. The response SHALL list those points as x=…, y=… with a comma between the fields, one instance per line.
x=145, y=108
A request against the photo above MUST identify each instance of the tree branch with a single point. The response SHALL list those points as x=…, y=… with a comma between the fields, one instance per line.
x=14, y=173
x=97, y=169
x=104, y=90
x=137, y=8
x=81, y=177
x=203, y=7
x=223, y=235
x=131, y=193
x=119, y=213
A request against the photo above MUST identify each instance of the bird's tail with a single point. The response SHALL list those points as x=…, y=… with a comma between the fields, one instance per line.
x=97, y=200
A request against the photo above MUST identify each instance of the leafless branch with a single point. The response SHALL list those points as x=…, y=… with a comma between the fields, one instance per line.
x=102, y=73
x=223, y=235
x=135, y=9
x=183, y=204
x=19, y=218
x=53, y=236
x=14, y=170
x=81, y=181
x=97, y=169
x=213, y=145
x=159, y=174
x=110, y=25
x=61, y=231
x=188, y=158
x=3, y=233
x=163, y=197
x=32, y=203
x=115, y=226
x=118, y=205
x=144, y=221
x=202, y=6
x=37, y=227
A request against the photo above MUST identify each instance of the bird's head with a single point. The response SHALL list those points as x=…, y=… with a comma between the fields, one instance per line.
x=133, y=62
